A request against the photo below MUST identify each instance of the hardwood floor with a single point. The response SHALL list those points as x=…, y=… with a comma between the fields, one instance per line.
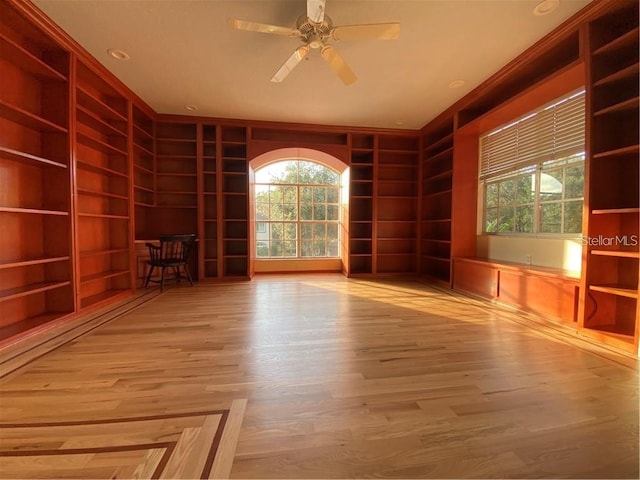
x=319, y=376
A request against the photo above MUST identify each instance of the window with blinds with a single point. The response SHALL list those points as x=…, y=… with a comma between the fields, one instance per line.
x=552, y=132
x=532, y=170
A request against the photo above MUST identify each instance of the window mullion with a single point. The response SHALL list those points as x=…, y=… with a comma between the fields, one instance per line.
x=298, y=222
x=536, y=200
x=563, y=199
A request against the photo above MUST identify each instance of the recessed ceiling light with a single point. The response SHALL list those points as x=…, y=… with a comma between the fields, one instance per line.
x=545, y=7
x=399, y=122
x=118, y=54
x=456, y=84
x=191, y=108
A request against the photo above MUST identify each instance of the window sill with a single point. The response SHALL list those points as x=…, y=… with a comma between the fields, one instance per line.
x=276, y=265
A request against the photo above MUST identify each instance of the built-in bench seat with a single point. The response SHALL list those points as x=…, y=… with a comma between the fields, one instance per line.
x=550, y=292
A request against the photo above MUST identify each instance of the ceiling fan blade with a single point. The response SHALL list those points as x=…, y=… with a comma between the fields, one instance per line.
x=337, y=63
x=263, y=28
x=295, y=58
x=376, y=31
x=315, y=10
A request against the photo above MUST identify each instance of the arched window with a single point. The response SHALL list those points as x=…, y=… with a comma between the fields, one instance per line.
x=297, y=210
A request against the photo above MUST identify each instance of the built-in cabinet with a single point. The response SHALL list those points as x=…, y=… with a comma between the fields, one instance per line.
x=234, y=224
x=36, y=244
x=209, y=265
x=361, y=229
x=396, y=205
x=547, y=292
x=611, y=265
x=103, y=211
x=383, y=192
x=200, y=185
x=143, y=154
x=176, y=183
x=435, y=202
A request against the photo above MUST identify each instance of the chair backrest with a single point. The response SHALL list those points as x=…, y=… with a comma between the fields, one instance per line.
x=176, y=247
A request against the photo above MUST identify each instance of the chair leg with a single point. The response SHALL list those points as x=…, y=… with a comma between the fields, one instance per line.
x=148, y=279
x=176, y=272
x=162, y=279
x=186, y=269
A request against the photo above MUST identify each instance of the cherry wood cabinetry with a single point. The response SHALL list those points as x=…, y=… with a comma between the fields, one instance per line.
x=435, y=202
x=610, y=276
x=143, y=185
x=549, y=292
x=209, y=228
x=102, y=188
x=36, y=267
x=143, y=159
x=396, y=203
x=235, y=202
x=362, y=250
x=383, y=203
x=176, y=173
x=176, y=183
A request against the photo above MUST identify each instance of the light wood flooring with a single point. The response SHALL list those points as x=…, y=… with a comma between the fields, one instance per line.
x=320, y=376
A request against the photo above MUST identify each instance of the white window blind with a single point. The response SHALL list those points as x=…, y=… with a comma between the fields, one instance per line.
x=552, y=132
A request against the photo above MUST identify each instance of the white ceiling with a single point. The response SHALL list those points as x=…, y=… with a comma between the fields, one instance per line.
x=183, y=53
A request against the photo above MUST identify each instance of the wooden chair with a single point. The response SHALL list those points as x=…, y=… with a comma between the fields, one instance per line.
x=173, y=252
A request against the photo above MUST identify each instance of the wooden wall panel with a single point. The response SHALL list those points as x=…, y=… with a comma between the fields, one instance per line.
x=475, y=278
x=548, y=296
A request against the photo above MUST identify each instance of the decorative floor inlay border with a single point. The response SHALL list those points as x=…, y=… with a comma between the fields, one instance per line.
x=183, y=445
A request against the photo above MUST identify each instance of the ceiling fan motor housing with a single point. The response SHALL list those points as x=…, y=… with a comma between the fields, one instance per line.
x=313, y=34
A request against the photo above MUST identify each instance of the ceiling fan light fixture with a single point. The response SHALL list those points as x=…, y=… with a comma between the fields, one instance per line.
x=545, y=7
x=315, y=42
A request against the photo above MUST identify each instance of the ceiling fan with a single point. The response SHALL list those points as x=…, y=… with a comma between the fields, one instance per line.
x=315, y=29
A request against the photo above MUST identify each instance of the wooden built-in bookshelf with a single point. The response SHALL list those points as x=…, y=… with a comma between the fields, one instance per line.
x=102, y=188
x=209, y=227
x=36, y=254
x=362, y=248
x=435, y=202
x=144, y=187
x=611, y=265
x=176, y=183
x=396, y=203
x=234, y=218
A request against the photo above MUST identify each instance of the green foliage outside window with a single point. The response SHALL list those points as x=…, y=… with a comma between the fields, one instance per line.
x=298, y=201
x=541, y=199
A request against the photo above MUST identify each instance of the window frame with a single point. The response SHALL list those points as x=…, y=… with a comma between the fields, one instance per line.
x=548, y=139
x=300, y=242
